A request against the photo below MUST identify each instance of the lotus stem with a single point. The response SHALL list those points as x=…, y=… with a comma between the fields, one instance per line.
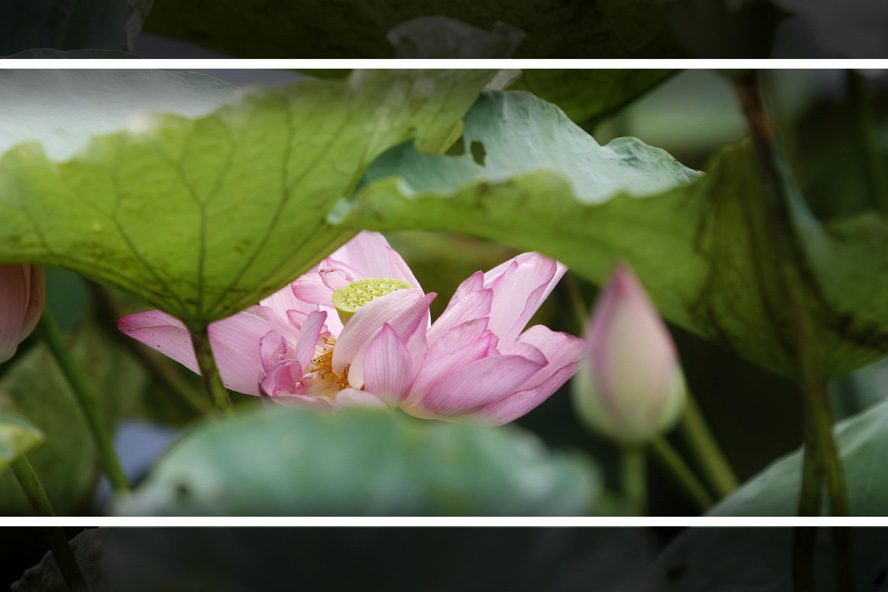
x=209, y=372
x=681, y=473
x=86, y=398
x=706, y=451
x=633, y=474
x=54, y=536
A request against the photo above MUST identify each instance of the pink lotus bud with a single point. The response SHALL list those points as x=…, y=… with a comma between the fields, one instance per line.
x=22, y=295
x=630, y=386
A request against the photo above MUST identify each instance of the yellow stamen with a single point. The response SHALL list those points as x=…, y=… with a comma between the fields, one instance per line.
x=324, y=365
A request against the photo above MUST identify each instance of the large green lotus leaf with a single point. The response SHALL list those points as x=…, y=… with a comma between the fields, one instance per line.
x=85, y=24
x=700, y=243
x=589, y=94
x=203, y=217
x=61, y=109
x=359, y=29
x=17, y=437
x=361, y=462
x=34, y=387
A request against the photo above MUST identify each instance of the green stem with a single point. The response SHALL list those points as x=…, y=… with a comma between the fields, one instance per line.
x=633, y=475
x=106, y=313
x=827, y=467
x=810, y=500
x=803, y=338
x=209, y=373
x=54, y=536
x=821, y=453
x=824, y=445
x=681, y=473
x=86, y=398
x=706, y=451
x=31, y=486
x=867, y=134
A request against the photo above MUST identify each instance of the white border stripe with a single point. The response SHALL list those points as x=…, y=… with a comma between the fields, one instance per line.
x=497, y=64
x=400, y=521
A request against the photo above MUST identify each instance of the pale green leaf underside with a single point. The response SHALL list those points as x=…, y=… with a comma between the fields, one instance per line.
x=17, y=437
x=203, y=217
x=698, y=242
x=361, y=462
x=62, y=109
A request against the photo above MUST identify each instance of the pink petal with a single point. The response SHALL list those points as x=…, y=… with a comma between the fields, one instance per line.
x=519, y=288
x=520, y=403
x=400, y=269
x=416, y=344
x=282, y=378
x=272, y=349
x=234, y=340
x=284, y=301
x=525, y=350
x=164, y=333
x=297, y=318
x=564, y=352
x=474, y=306
x=332, y=324
x=410, y=326
x=471, y=285
x=368, y=254
x=480, y=383
x=15, y=287
x=316, y=287
x=335, y=274
x=467, y=333
x=437, y=367
x=307, y=341
x=560, y=350
x=310, y=288
x=388, y=368
x=368, y=321
x=357, y=398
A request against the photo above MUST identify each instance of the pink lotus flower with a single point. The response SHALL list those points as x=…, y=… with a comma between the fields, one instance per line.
x=22, y=296
x=473, y=364
x=630, y=386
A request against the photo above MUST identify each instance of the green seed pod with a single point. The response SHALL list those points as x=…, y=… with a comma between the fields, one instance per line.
x=350, y=298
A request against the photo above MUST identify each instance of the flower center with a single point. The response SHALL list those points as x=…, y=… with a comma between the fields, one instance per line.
x=350, y=298
x=328, y=382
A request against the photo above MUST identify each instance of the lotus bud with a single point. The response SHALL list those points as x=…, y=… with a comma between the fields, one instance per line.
x=22, y=295
x=629, y=386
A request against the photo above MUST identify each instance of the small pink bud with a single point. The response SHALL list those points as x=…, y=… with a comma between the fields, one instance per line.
x=630, y=386
x=22, y=295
